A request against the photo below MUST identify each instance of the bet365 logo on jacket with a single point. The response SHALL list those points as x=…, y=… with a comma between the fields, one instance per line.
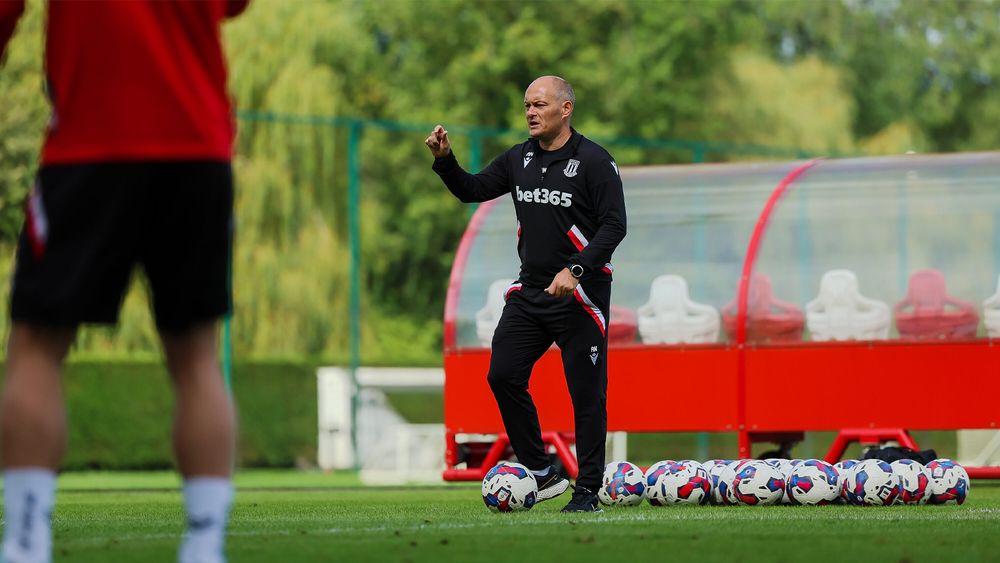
x=542, y=195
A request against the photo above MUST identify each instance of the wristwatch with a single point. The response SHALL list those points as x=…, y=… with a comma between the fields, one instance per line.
x=576, y=270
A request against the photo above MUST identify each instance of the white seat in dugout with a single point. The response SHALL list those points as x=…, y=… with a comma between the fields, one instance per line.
x=991, y=313
x=671, y=317
x=488, y=317
x=840, y=312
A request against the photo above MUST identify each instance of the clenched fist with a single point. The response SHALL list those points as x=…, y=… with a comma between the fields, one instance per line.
x=438, y=142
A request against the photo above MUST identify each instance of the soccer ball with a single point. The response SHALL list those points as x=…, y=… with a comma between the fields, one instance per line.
x=713, y=463
x=509, y=486
x=774, y=462
x=871, y=482
x=623, y=484
x=813, y=482
x=715, y=468
x=758, y=483
x=949, y=482
x=842, y=467
x=681, y=482
x=784, y=466
x=914, y=481
x=722, y=487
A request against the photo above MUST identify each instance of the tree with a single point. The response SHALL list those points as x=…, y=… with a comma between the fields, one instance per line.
x=21, y=121
x=836, y=76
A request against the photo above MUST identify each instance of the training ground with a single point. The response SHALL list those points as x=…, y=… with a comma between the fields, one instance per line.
x=305, y=517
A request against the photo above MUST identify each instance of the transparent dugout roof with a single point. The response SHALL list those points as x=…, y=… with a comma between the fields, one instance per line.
x=856, y=249
x=919, y=233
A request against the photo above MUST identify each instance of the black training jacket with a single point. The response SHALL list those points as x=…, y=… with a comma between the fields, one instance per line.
x=574, y=213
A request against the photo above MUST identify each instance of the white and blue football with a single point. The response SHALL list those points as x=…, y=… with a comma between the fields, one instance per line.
x=914, y=481
x=949, y=482
x=623, y=484
x=813, y=481
x=508, y=487
x=677, y=482
x=871, y=483
x=757, y=482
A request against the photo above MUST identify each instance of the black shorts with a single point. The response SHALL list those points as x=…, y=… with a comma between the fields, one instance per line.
x=87, y=226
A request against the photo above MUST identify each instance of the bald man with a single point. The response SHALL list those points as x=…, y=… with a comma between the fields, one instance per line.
x=571, y=216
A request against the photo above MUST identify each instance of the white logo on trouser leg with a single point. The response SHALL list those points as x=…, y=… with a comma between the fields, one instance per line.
x=593, y=355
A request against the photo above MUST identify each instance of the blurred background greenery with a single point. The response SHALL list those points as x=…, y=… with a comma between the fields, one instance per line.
x=821, y=76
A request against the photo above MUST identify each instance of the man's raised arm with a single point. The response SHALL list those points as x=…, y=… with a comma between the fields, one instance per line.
x=469, y=188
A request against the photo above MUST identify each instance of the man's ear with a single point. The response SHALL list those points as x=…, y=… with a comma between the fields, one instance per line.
x=567, y=107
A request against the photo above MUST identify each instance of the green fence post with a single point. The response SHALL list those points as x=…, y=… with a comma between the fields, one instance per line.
x=698, y=153
x=353, y=192
x=475, y=150
x=702, y=445
x=475, y=159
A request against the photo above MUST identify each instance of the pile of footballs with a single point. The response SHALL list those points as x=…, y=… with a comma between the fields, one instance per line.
x=510, y=486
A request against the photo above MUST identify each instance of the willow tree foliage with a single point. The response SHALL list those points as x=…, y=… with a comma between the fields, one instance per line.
x=827, y=77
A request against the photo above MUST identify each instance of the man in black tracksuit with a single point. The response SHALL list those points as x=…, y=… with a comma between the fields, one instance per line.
x=571, y=216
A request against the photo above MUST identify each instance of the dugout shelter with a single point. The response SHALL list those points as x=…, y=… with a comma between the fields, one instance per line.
x=859, y=296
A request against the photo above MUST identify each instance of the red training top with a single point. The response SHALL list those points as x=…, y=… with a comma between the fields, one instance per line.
x=136, y=80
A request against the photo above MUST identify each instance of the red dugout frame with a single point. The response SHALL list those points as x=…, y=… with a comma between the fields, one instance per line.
x=751, y=410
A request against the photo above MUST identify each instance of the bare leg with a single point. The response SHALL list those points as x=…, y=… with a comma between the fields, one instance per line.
x=204, y=420
x=34, y=416
x=34, y=438
x=204, y=440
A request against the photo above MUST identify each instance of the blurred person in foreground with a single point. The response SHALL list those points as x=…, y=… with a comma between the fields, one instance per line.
x=135, y=170
x=571, y=216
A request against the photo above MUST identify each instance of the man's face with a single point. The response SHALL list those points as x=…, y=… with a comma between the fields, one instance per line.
x=543, y=110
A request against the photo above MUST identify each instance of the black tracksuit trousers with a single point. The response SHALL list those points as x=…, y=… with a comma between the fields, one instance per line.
x=531, y=321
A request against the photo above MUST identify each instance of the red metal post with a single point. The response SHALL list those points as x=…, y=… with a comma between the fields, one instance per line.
x=742, y=297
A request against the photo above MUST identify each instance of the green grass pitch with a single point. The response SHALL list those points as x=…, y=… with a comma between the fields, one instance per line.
x=288, y=516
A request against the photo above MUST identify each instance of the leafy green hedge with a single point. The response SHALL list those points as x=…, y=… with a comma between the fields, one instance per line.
x=120, y=414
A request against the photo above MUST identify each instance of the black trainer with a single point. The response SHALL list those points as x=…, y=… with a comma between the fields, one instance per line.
x=584, y=500
x=551, y=485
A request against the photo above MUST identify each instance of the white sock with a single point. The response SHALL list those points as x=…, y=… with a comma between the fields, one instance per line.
x=207, y=501
x=541, y=472
x=28, y=497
